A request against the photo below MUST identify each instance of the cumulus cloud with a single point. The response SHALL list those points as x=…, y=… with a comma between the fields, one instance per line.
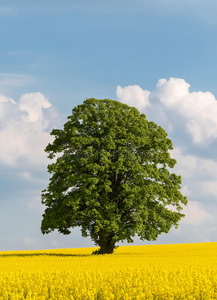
x=197, y=109
x=186, y=114
x=196, y=214
x=186, y=190
x=35, y=204
x=33, y=104
x=210, y=188
x=194, y=111
x=24, y=129
x=192, y=166
x=133, y=95
x=199, y=175
x=186, y=164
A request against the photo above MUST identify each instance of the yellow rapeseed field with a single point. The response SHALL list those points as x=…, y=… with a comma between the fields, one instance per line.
x=181, y=271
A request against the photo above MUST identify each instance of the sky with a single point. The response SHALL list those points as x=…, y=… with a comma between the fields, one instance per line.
x=159, y=56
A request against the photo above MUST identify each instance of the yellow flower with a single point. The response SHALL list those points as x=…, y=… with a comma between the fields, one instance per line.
x=185, y=271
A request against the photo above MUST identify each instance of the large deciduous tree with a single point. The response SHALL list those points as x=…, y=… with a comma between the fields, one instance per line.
x=111, y=176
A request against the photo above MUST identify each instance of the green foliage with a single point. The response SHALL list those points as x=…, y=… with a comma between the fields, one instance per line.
x=110, y=176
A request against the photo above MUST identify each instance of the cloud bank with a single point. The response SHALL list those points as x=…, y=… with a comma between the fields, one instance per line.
x=131, y=92
x=190, y=118
x=195, y=111
x=24, y=129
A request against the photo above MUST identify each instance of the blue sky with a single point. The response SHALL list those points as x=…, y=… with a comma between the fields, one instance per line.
x=158, y=55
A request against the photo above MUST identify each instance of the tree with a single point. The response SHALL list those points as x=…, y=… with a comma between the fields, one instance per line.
x=111, y=176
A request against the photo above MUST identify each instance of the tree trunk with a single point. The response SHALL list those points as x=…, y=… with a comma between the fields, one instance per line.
x=106, y=245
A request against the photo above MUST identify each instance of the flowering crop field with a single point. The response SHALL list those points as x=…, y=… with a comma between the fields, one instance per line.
x=181, y=271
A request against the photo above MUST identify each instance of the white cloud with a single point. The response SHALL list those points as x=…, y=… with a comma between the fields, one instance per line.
x=185, y=190
x=195, y=214
x=199, y=175
x=24, y=129
x=194, y=111
x=35, y=204
x=33, y=104
x=186, y=114
x=210, y=188
x=172, y=91
x=133, y=95
x=197, y=109
x=5, y=106
x=194, y=167
x=186, y=164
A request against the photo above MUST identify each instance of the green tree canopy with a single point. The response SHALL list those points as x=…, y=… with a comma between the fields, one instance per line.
x=110, y=176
